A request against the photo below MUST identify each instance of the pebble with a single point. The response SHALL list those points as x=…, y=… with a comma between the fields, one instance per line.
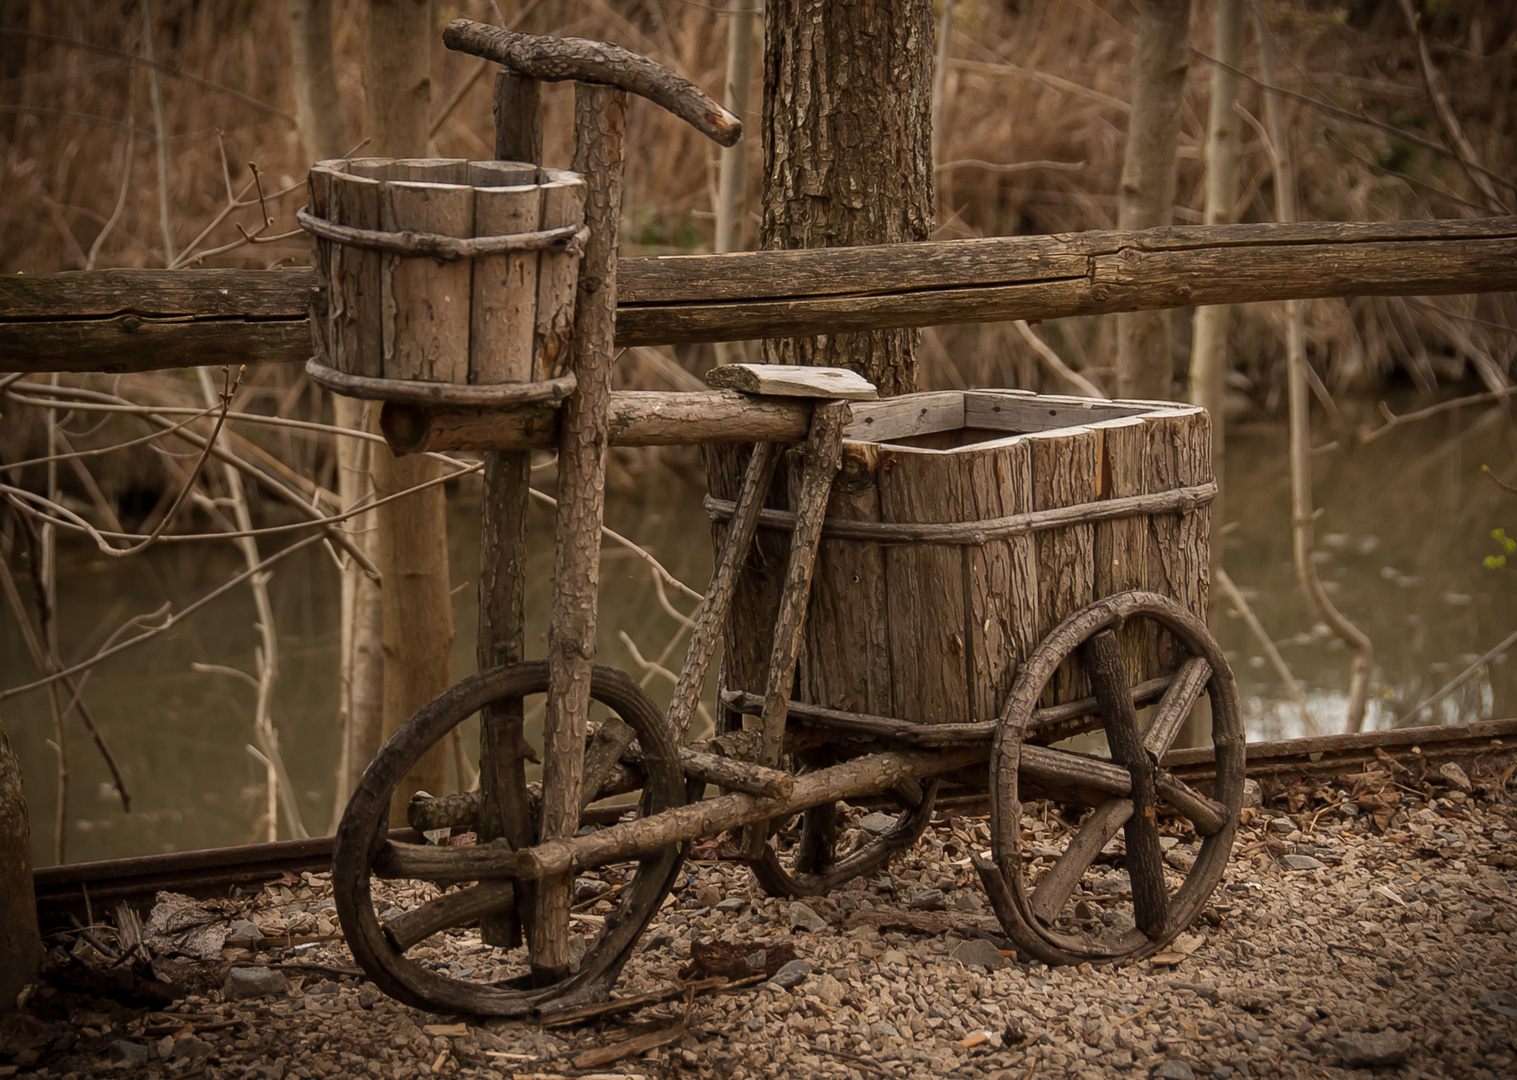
x=977, y=952
x=803, y=917
x=877, y=823
x=1302, y=862
x=1173, y=1069
x=253, y=982
x=1386, y=1047
x=792, y=974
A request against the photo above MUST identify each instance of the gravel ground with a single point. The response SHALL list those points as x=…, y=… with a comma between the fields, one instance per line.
x=1366, y=927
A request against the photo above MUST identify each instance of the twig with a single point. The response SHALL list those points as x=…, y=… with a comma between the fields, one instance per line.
x=156, y=96
x=1392, y=419
x=126, y=170
x=1451, y=126
x=1502, y=484
x=1460, y=679
x=1235, y=596
x=1053, y=360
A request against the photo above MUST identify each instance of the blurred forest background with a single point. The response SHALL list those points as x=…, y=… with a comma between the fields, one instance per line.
x=164, y=135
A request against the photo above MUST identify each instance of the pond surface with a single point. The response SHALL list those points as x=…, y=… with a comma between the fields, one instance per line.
x=1402, y=537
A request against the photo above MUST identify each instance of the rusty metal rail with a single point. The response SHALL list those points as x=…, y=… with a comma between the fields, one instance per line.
x=65, y=890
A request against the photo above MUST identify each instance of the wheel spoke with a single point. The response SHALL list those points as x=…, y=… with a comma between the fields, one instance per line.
x=1178, y=700
x=1208, y=815
x=1058, y=885
x=1145, y=859
x=450, y=909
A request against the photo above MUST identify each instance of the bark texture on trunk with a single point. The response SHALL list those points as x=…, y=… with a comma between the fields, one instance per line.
x=1145, y=364
x=412, y=536
x=847, y=130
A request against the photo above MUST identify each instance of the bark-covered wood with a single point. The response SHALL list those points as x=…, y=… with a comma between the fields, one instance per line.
x=637, y=418
x=600, y=114
x=865, y=775
x=451, y=909
x=1145, y=351
x=714, y=609
x=20, y=942
x=144, y=320
x=847, y=139
x=1102, y=657
x=555, y=59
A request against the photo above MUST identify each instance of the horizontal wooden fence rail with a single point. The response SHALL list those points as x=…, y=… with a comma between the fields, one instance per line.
x=141, y=320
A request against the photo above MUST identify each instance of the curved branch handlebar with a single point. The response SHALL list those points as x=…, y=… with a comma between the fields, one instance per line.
x=553, y=59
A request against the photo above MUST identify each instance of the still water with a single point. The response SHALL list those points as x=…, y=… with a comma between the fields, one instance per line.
x=1405, y=527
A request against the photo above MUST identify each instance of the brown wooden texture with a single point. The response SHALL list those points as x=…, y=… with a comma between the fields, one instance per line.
x=554, y=59
x=142, y=320
x=1030, y=521
x=21, y=947
x=600, y=115
x=637, y=418
x=505, y=809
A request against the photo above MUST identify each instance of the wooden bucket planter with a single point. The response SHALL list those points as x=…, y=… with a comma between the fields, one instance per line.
x=963, y=527
x=444, y=271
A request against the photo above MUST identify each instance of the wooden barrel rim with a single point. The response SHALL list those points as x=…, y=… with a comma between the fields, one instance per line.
x=568, y=238
x=978, y=533
x=423, y=392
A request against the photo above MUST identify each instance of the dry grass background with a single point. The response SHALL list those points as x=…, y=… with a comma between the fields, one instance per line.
x=1032, y=126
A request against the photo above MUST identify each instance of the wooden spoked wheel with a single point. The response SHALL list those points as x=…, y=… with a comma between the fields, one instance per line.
x=1069, y=914
x=811, y=865
x=363, y=851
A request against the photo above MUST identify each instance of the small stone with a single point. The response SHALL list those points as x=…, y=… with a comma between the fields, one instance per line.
x=1173, y=1069
x=242, y=930
x=967, y=900
x=1388, y=1047
x=123, y=1052
x=792, y=974
x=885, y=885
x=927, y=900
x=829, y=991
x=754, y=1023
x=269, y=1070
x=1282, y=825
x=1451, y=772
x=251, y=982
x=1499, y=1002
x=1302, y=862
x=877, y=823
x=588, y=888
x=369, y=995
x=192, y=1047
x=1252, y=795
x=732, y=904
x=981, y=953
x=710, y=896
x=884, y=1029
x=894, y=956
x=803, y=918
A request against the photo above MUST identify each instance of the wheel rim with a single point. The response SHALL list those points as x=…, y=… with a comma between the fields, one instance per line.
x=360, y=843
x=1029, y=914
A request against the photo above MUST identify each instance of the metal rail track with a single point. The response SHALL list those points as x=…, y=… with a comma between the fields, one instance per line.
x=78, y=888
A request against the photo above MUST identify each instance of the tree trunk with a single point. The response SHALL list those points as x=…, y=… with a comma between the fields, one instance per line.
x=732, y=171
x=360, y=666
x=847, y=130
x=318, y=108
x=20, y=943
x=412, y=534
x=1145, y=365
x=1303, y=516
x=1208, y=353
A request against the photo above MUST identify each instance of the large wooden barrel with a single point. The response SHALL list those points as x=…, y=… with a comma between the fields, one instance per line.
x=963, y=527
x=402, y=305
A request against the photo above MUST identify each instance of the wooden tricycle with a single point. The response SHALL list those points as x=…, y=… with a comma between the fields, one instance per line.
x=978, y=584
